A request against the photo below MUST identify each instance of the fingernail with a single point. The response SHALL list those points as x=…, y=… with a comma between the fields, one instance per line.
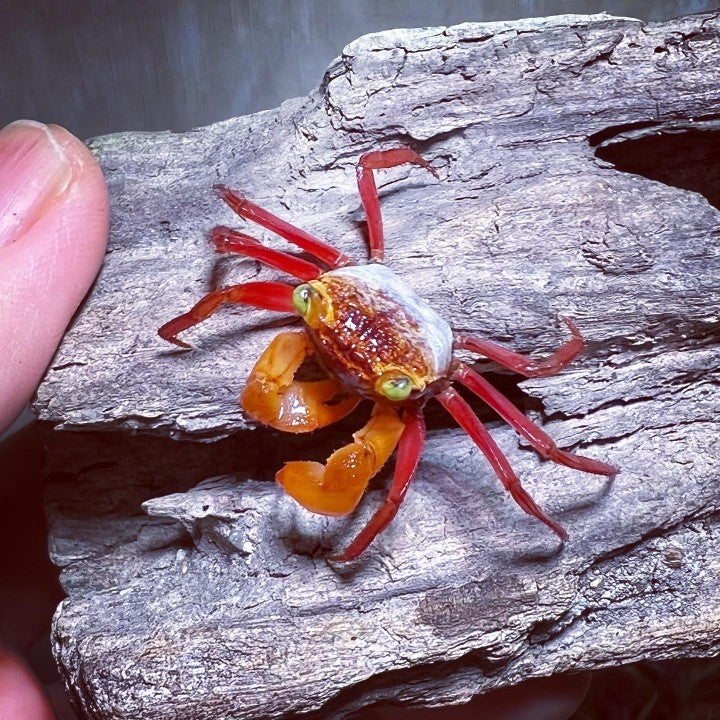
x=34, y=173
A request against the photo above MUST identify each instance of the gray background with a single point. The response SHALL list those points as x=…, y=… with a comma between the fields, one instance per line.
x=104, y=66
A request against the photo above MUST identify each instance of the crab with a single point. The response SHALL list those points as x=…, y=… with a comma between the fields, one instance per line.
x=376, y=339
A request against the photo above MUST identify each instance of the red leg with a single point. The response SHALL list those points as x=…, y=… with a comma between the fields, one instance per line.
x=521, y=364
x=266, y=295
x=409, y=449
x=467, y=420
x=368, y=191
x=540, y=440
x=322, y=251
x=226, y=240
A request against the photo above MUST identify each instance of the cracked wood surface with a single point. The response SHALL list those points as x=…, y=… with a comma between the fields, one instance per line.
x=217, y=600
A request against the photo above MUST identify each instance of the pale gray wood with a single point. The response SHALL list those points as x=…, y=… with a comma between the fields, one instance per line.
x=218, y=601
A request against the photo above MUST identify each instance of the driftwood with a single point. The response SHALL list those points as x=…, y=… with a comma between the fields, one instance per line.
x=217, y=601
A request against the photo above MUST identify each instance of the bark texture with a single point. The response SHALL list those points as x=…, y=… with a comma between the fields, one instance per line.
x=578, y=165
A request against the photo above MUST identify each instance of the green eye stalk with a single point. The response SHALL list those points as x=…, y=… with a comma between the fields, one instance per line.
x=301, y=298
x=397, y=388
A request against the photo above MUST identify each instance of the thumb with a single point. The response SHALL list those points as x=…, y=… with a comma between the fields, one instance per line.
x=20, y=695
x=53, y=232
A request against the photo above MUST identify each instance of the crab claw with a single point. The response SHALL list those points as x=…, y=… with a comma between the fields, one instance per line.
x=273, y=397
x=336, y=487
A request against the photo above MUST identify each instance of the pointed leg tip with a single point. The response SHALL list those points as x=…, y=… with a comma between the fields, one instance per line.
x=582, y=463
x=219, y=236
x=347, y=555
x=182, y=345
x=174, y=340
x=233, y=198
x=600, y=468
x=570, y=324
x=425, y=164
x=225, y=193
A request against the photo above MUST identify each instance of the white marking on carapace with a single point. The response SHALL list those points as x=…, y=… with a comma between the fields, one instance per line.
x=435, y=330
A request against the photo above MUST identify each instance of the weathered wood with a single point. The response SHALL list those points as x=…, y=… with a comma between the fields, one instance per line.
x=218, y=602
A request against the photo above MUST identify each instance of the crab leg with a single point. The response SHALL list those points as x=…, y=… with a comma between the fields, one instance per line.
x=409, y=450
x=273, y=397
x=226, y=240
x=319, y=249
x=336, y=487
x=379, y=160
x=467, y=420
x=539, y=439
x=266, y=295
x=521, y=364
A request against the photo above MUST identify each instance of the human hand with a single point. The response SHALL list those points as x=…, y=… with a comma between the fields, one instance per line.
x=53, y=233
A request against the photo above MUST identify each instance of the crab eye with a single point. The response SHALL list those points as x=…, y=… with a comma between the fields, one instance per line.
x=301, y=298
x=396, y=388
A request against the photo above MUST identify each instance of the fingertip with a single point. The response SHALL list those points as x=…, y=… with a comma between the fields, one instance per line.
x=34, y=172
x=21, y=697
x=53, y=255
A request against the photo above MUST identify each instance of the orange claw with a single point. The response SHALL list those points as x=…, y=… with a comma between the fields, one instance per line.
x=274, y=398
x=336, y=487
